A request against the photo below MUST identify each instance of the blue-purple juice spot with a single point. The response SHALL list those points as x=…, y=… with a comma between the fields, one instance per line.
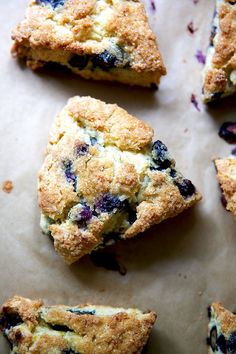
x=81, y=149
x=186, y=188
x=227, y=132
x=108, y=202
x=201, y=58
x=93, y=140
x=53, y=3
x=70, y=175
x=194, y=101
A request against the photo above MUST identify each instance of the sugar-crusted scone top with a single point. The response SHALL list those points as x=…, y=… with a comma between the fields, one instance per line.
x=103, y=178
x=226, y=174
x=31, y=327
x=117, y=31
x=220, y=70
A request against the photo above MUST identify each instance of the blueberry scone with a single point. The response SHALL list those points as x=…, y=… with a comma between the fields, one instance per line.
x=220, y=69
x=221, y=330
x=226, y=174
x=32, y=328
x=103, y=179
x=97, y=39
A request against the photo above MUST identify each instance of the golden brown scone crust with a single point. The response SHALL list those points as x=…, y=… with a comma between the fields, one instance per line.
x=59, y=329
x=219, y=76
x=117, y=169
x=48, y=34
x=226, y=174
x=221, y=330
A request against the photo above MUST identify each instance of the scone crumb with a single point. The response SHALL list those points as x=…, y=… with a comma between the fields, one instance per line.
x=7, y=186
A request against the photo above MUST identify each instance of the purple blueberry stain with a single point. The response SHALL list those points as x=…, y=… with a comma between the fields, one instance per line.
x=81, y=149
x=201, y=58
x=191, y=28
x=227, y=132
x=108, y=203
x=186, y=188
x=53, y=3
x=69, y=173
x=194, y=101
x=153, y=5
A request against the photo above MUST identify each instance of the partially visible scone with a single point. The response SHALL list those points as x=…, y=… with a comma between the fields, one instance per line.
x=226, y=174
x=103, y=179
x=32, y=328
x=97, y=39
x=221, y=330
x=220, y=68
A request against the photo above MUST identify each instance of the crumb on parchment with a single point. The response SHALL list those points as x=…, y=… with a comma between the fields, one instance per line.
x=7, y=186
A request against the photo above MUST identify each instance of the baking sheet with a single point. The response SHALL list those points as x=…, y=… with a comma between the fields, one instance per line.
x=179, y=266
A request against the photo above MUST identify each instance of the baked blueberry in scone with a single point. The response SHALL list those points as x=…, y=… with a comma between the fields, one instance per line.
x=220, y=69
x=221, y=330
x=226, y=175
x=32, y=328
x=103, y=179
x=97, y=39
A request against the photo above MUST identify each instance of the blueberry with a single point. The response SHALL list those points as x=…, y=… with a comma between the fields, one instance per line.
x=231, y=343
x=67, y=165
x=216, y=95
x=69, y=351
x=233, y=152
x=79, y=61
x=228, y=132
x=93, y=140
x=221, y=343
x=107, y=203
x=213, y=337
x=159, y=155
x=84, y=215
x=10, y=320
x=186, y=188
x=81, y=149
x=60, y=328
x=104, y=60
x=173, y=173
x=82, y=312
x=53, y=3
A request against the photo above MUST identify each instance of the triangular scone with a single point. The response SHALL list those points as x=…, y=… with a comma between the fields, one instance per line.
x=97, y=39
x=221, y=330
x=32, y=328
x=226, y=174
x=220, y=68
x=104, y=179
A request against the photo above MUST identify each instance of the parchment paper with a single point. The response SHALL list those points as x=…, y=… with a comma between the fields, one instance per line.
x=177, y=268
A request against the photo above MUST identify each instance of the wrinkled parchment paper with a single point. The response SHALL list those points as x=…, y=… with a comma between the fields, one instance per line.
x=177, y=268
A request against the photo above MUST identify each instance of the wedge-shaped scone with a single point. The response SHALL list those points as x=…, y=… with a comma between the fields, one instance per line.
x=220, y=68
x=97, y=39
x=226, y=174
x=221, y=330
x=32, y=328
x=103, y=179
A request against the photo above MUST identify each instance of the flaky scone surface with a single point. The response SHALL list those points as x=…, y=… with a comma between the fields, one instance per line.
x=32, y=328
x=220, y=70
x=103, y=179
x=221, y=330
x=226, y=174
x=99, y=39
